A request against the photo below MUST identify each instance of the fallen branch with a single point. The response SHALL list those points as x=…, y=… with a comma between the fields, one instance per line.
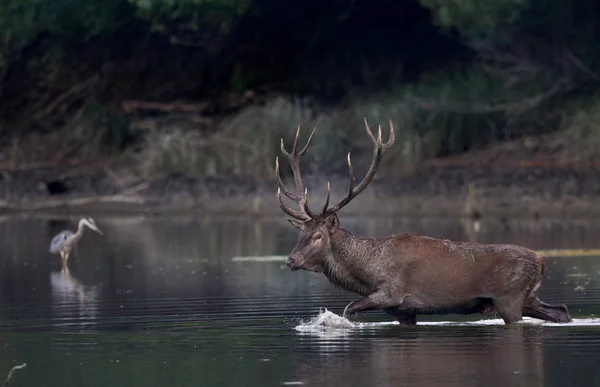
x=124, y=197
x=515, y=164
x=152, y=124
x=579, y=64
x=71, y=202
x=129, y=106
x=10, y=373
x=470, y=108
x=66, y=95
x=12, y=167
x=135, y=189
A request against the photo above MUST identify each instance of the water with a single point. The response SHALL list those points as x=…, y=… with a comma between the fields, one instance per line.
x=160, y=302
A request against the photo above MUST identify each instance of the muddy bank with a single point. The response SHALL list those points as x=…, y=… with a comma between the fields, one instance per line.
x=432, y=192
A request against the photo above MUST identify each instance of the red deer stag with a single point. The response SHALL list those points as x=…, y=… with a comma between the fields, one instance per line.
x=405, y=275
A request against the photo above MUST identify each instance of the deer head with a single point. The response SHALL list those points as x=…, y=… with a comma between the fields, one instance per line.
x=317, y=229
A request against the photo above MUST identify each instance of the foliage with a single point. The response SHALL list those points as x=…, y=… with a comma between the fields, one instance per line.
x=548, y=43
x=22, y=21
x=193, y=12
x=551, y=24
x=192, y=22
x=582, y=124
x=457, y=73
x=473, y=18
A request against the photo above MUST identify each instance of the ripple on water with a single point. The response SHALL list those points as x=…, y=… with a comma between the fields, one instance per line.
x=327, y=323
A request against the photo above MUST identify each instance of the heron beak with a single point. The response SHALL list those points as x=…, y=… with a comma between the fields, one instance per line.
x=98, y=231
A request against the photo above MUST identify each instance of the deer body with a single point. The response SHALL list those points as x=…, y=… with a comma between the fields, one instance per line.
x=423, y=275
x=406, y=275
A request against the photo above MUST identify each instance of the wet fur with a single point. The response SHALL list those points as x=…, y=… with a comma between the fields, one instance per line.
x=406, y=275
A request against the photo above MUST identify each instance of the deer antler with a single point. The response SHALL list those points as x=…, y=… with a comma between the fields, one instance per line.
x=301, y=198
x=378, y=150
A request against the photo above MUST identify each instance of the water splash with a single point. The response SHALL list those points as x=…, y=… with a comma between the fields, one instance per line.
x=526, y=321
x=325, y=320
x=327, y=323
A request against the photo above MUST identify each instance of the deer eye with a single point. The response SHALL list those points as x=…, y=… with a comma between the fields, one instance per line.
x=316, y=237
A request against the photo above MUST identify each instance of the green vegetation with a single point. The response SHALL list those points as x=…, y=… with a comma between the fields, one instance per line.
x=209, y=86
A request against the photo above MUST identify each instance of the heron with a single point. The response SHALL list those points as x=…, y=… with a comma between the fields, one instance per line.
x=64, y=241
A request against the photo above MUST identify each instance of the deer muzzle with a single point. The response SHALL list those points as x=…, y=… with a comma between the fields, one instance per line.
x=293, y=263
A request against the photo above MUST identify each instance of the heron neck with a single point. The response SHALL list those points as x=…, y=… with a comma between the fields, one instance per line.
x=80, y=228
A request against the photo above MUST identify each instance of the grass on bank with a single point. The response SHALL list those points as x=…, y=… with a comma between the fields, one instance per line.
x=440, y=115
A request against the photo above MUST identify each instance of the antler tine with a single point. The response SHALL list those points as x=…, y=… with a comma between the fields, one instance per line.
x=296, y=140
x=293, y=213
x=281, y=185
x=304, y=205
x=392, y=138
x=294, y=146
x=351, y=173
x=303, y=151
x=294, y=160
x=283, y=149
x=327, y=198
x=369, y=130
x=378, y=151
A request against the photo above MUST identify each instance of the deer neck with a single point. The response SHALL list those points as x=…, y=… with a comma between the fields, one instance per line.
x=347, y=264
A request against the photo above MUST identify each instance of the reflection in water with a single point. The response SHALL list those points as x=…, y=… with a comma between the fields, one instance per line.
x=73, y=304
x=159, y=301
x=428, y=357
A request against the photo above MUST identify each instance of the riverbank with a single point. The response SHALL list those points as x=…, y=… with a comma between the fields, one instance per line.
x=517, y=179
x=451, y=193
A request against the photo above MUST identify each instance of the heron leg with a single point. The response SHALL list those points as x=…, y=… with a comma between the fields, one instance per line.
x=64, y=257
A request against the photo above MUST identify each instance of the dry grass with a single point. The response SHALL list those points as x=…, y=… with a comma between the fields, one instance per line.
x=247, y=143
x=440, y=115
x=242, y=144
x=582, y=129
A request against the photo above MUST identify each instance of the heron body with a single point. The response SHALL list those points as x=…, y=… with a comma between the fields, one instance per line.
x=64, y=242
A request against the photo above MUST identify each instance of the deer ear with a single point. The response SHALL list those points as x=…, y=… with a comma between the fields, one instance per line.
x=296, y=223
x=333, y=221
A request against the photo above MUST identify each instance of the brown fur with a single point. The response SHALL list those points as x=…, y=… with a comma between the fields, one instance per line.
x=406, y=275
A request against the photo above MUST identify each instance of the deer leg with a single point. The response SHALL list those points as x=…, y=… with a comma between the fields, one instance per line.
x=534, y=307
x=547, y=312
x=403, y=318
x=362, y=305
x=509, y=307
x=374, y=301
